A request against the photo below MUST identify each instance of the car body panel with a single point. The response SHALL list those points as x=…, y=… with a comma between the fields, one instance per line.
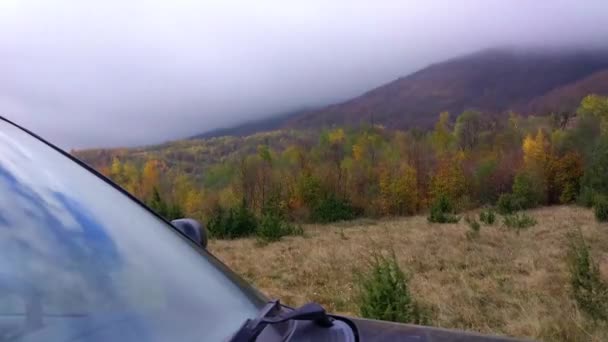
x=76, y=252
x=376, y=331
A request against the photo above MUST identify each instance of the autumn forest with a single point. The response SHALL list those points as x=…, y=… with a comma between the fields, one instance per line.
x=339, y=173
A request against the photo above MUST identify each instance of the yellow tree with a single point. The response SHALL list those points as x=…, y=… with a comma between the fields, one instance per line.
x=406, y=190
x=181, y=187
x=442, y=137
x=359, y=150
x=150, y=178
x=116, y=170
x=193, y=203
x=336, y=136
x=367, y=145
x=535, y=150
x=131, y=179
x=533, y=182
x=398, y=191
x=360, y=168
x=449, y=179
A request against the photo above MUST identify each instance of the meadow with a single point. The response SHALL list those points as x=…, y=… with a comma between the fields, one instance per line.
x=503, y=282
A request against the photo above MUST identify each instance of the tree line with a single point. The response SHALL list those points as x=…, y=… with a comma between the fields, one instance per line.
x=477, y=159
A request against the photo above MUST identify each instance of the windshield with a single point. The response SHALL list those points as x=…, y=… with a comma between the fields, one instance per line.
x=79, y=260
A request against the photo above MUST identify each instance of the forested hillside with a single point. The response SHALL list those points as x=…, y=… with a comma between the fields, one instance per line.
x=342, y=173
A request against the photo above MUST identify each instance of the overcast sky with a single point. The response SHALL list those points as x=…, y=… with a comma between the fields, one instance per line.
x=123, y=73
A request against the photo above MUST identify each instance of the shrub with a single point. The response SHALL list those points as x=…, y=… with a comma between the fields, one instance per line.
x=244, y=221
x=587, y=286
x=483, y=181
x=332, y=209
x=528, y=190
x=568, y=173
x=232, y=223
x=519, y=221
x=595, y=173
x=465, y=203
x=508, y=204
x=586, y=197
x=273, y=228
x=273, y=224
x=309, y=189
x=384, y=293
x=487, y=216
x=600, y=208
x=442, y=211
x=474, y=227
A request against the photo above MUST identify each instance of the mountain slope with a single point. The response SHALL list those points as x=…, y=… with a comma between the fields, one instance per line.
x=568, y=97
x=493, y=81
x=252, y=127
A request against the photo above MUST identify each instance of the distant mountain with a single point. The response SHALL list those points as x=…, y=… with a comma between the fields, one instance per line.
x=568, y=97
x=493, y=81
x=252, y=127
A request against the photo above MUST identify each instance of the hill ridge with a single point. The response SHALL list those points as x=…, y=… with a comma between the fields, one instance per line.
x=492, y=80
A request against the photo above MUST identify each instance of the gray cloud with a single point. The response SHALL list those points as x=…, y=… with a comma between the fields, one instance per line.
x=115, y=73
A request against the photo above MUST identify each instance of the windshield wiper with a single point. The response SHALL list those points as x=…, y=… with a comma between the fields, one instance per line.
x=269, y=315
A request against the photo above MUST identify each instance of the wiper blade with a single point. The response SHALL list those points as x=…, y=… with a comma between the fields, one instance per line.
x=252, y=328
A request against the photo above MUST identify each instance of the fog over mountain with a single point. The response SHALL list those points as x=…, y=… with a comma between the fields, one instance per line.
x=116, y=73
x=493, y=81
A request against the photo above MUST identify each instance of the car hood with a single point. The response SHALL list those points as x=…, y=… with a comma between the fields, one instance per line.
x=371, y=330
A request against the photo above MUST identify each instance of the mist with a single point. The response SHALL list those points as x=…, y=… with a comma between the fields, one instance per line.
x=116, y=73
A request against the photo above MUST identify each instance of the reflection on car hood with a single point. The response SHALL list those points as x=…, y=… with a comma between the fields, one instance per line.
x=75, y=250
x=370, y=330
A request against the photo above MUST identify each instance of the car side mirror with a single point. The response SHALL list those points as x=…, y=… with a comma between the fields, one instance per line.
x=193, y=229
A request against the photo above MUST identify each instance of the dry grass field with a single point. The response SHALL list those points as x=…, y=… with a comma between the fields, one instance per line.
x=499, y=283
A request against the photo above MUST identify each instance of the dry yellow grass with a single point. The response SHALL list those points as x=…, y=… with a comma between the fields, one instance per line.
x=500, y=283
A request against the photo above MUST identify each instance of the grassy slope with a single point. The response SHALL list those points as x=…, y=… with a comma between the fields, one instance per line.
x=501, y=283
